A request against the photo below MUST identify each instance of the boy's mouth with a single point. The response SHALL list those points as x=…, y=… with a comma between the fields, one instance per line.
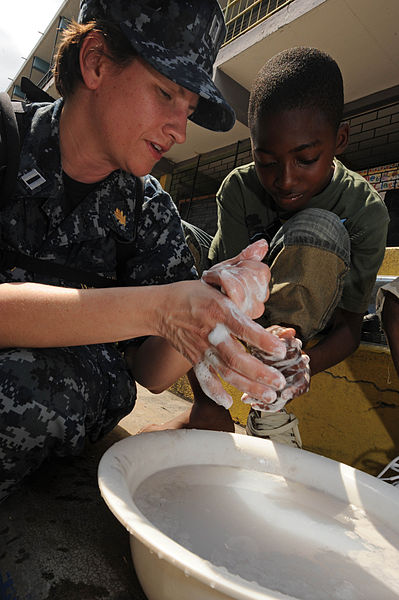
x=288, y=198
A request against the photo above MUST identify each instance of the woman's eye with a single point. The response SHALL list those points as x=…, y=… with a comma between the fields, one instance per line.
x=165, y=94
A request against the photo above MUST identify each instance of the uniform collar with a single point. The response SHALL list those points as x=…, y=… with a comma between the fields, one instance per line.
x=110, y=206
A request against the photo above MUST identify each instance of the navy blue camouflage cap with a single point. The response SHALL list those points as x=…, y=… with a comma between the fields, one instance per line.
x=180, y=39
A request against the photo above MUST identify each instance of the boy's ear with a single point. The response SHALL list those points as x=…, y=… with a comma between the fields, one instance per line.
x=91, y=59
x=342, y=138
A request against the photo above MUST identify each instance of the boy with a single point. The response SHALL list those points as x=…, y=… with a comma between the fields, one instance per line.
x=325, y=224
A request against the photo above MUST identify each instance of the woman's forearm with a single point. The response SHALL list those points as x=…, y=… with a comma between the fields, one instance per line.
x=197, y=320
x=36, y=315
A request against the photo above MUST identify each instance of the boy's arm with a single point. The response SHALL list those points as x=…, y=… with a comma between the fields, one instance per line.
x=341, y=341
x=203, y=414
x=155, y=364
x=390, y=323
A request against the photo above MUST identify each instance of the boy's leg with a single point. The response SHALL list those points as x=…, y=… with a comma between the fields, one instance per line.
x=308, y=257
x=52, y=400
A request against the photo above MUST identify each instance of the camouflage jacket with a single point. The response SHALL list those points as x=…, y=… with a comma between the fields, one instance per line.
x=41, y=224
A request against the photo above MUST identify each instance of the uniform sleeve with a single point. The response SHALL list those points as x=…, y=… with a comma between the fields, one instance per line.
x=368, y=234
x=232, y=233
x=162, y=255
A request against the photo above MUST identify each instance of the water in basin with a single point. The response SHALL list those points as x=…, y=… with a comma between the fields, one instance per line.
x=276, y=532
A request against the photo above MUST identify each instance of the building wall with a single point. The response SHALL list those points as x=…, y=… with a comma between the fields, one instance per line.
x=374, y=138
x=373, y=150
x=195, y=183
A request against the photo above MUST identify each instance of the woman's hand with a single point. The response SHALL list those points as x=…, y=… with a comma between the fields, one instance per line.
x=244, y=279
x=295, y=368
x=204, y=325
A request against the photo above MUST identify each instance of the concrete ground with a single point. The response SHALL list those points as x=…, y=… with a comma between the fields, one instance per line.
x=58, y=540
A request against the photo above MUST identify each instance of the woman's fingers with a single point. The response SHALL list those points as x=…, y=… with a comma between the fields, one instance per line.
x=274, y=406
x=243, y=328
x=256, y=251
x=211, y=384
x=248, y=288
x=244, y=279
x=204, y=326
x=229, y=359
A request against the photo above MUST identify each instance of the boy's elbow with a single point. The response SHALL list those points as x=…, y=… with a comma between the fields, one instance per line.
x=356, y=343
x=157, y=389
x=355, y=338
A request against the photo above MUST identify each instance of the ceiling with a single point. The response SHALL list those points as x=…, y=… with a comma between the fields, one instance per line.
x=361, y=35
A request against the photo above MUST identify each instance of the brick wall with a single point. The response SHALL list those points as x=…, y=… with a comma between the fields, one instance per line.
x=374, y=138
x=195, y=183
x=200, y=212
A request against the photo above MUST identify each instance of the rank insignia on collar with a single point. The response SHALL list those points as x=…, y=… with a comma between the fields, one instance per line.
x=33, y=179
x=120, y=217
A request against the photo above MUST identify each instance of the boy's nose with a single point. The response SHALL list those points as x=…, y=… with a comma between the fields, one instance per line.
x=286, y=179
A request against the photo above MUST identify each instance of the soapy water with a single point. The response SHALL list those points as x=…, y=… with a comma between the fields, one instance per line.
x=219, y=334
x=277, y=533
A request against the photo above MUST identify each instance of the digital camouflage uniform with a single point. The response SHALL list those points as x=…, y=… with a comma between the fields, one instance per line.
x=52, y=399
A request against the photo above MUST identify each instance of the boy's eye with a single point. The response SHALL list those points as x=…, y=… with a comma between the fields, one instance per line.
x=265, y=165
x=308, y=161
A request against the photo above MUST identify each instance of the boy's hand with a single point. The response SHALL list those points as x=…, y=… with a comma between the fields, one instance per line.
x=244, y=279
x=295, y=368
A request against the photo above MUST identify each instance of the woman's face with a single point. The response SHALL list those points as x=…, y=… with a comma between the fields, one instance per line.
x=139, y=115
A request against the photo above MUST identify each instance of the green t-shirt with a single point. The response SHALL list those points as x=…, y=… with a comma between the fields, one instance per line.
x=348, y=195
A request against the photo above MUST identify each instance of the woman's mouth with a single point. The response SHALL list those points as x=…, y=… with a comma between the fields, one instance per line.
x=156, y=150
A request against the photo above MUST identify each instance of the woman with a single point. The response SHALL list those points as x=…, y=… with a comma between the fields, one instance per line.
x=130, y=75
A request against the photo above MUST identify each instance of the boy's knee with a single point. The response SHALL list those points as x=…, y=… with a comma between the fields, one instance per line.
x=316, y=228
x=309, y=258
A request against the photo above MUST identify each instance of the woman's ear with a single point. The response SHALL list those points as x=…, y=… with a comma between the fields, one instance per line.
x=342, y=138
x=92, y=58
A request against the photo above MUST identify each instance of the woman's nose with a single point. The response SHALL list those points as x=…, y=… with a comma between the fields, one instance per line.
x=177, y=127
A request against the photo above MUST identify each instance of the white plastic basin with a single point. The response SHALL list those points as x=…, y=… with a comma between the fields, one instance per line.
x=217, y=515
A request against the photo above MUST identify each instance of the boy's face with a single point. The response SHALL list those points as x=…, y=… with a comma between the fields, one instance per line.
x=293, y=152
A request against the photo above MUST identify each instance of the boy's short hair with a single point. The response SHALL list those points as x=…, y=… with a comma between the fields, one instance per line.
x=298, y=78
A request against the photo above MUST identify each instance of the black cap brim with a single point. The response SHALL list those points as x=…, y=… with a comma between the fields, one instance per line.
x=212, y=112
